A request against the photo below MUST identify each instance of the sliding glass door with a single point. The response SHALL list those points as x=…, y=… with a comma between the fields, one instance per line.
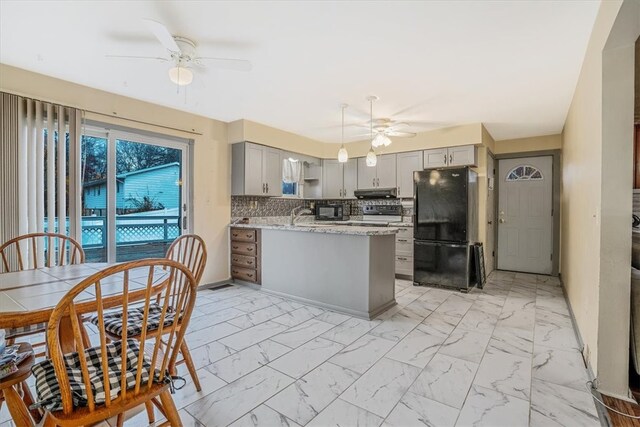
x=135, y=195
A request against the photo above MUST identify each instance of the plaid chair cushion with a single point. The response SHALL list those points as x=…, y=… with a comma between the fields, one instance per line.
x=48, y=388
x=135, y=316
x=25, y=330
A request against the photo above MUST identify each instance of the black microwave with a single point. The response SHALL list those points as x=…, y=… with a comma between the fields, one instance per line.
x=330, y=212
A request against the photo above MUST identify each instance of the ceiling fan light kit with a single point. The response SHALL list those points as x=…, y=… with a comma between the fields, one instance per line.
x=372, y=159
x=381, y=140
x=181, y=76
x=343, y=156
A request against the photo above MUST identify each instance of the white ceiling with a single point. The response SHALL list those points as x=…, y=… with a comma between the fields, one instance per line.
x=511, y=65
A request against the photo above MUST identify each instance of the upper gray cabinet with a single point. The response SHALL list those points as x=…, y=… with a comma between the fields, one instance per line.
x=339, y=179
x=382, y=175
x=407, y=164
x=256, y=170
x=463, y=155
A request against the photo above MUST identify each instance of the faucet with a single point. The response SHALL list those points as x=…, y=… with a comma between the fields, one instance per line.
x=298, y=211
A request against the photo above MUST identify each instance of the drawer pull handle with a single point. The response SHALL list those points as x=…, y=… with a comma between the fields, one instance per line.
x=249, y=249
x=403, y=240
x=249, y=275
x=234, y=247
x=249, y=262
x=249, y=235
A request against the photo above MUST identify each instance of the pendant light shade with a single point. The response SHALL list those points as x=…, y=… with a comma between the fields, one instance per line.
x=372, y=159
x=371, y=155
x=181, y=76
x=343, y=156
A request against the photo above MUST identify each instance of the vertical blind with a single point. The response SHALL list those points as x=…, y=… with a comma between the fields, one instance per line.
x=41, y=147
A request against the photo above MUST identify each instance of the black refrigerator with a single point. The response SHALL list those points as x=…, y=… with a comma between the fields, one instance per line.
x=445, y=227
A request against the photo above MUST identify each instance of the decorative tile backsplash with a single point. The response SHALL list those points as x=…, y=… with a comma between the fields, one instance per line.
x=246, y=206
x=636, y=202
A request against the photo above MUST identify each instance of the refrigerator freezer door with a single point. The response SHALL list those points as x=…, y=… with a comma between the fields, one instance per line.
x=441, y=205
x=441, y=264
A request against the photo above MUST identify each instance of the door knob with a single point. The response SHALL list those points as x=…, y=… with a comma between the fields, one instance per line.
x=490, y=222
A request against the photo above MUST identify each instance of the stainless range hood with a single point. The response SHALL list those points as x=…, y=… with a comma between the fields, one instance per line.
x=377, y=193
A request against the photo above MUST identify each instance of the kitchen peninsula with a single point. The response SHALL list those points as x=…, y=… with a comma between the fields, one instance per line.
x=349, y=269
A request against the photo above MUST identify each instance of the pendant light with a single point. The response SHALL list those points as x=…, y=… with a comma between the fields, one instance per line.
x=371, y=160
x=343, y=156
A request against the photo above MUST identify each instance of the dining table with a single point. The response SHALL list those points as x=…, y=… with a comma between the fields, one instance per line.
x=28, y=298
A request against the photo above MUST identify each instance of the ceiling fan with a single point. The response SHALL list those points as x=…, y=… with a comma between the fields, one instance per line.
x=182, y=54
x=385, y=128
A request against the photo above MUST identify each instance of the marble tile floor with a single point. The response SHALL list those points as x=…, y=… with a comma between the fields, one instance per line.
x=502, y=356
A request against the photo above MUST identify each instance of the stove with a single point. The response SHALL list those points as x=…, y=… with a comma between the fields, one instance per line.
x=378, y=216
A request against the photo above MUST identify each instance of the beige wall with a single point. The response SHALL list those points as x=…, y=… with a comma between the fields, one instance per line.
x=587, y=178
x=521, y=145
x=246, y=130
x=212, y=208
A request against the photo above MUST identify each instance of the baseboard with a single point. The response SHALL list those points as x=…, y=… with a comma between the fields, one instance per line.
x=601, y=410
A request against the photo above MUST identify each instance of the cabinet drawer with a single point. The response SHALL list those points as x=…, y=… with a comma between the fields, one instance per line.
x=405, y=233
x=243, y=261
x=243, y=235
x=243, y=248
x=404, y=249
x=404, y=265
x=244, y=274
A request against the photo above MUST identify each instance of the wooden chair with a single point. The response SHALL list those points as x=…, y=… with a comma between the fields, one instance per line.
x=177, y=292
x=60, y=250
x=189, y=250
x=73, y=253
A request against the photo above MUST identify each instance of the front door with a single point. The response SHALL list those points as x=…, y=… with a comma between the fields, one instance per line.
x=490, y=239
x=525, y=214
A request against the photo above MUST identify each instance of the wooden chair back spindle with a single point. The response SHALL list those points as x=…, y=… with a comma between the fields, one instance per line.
x=175, y=286
x=59, y=250
x=190, y=250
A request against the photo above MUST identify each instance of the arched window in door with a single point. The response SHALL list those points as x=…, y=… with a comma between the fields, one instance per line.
x=524, y=173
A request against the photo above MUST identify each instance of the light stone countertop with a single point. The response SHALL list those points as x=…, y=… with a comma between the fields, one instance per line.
x=310, y=227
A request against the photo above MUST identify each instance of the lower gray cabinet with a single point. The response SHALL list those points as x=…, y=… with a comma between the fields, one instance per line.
x=404, y=252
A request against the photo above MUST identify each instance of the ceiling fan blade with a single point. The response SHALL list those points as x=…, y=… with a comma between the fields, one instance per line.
x=401, y=134
x=157, y=58
x=395, y=125
x=225, y=63
x=162, y=34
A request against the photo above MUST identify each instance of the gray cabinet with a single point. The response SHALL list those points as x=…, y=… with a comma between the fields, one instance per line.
x=463, y=155
x=404, y=251
x=350, y=169
x=382, y=175
x=256, y=170
x=407, y=163
x=435, y=158
x=366, y=175
x=339, y=179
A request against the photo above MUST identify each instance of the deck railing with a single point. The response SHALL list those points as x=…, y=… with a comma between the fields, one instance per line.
x=130, y=230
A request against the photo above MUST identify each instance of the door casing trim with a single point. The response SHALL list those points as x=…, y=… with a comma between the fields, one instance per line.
x=555, y=200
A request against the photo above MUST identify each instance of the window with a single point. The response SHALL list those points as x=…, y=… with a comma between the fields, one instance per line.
x=290, y=189
x=524, y=173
